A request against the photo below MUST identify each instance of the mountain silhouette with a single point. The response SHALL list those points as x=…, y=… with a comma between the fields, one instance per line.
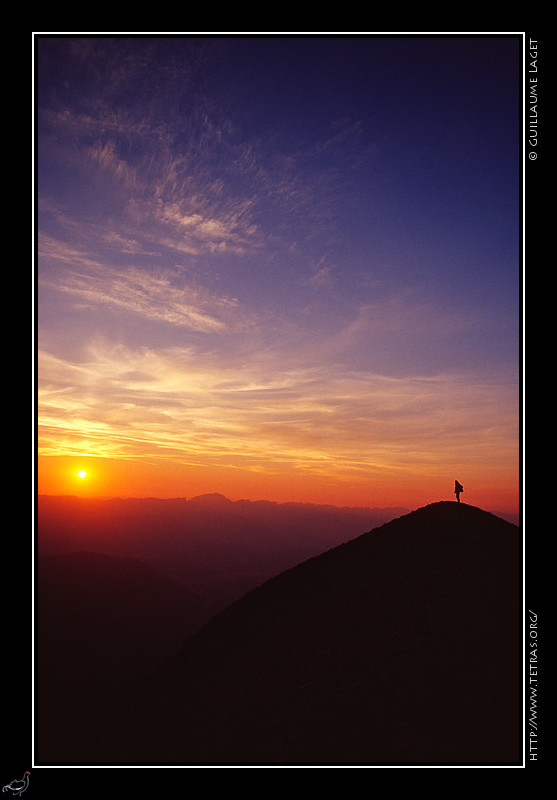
x=211, y=500
x=401, y=646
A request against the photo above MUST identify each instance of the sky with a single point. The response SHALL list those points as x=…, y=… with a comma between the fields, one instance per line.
x=279, y=267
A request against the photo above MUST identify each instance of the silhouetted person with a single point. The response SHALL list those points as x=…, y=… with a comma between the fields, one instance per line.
x=458, y=488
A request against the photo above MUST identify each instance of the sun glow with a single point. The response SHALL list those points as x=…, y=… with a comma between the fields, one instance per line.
x=81, y=474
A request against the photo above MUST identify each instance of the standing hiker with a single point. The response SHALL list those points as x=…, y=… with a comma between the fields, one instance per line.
x=458, y=488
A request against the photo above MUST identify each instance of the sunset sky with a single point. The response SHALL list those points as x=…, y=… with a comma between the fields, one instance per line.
x=279, y=267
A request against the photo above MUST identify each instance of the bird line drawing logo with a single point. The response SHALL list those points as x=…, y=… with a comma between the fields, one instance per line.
x=17, y=787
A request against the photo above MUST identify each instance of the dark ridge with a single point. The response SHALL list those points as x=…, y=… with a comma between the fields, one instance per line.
x=401, y=646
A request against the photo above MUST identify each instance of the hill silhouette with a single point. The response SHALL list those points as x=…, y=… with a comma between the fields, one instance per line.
x=400, y=646
x=101, y=623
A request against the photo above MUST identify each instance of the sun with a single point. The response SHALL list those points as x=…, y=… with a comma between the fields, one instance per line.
x=81, y=474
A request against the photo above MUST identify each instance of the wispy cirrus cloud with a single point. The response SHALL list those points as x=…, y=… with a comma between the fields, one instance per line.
x=151, y=296
x=104, y=156
x=190, y=182
x=172, y=201
x=228, y=229
x=63, y=253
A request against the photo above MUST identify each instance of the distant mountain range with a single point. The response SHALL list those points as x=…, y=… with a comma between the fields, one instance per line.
x=216, y=548
x=400, y=646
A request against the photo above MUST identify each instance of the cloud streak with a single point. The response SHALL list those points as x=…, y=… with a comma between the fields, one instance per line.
x=150, y=296
x=328, y=422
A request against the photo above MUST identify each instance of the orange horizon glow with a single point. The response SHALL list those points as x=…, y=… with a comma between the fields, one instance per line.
x=58, y=476
x=164, y=424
